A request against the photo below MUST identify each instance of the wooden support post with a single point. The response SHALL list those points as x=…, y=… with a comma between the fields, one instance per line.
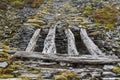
x=91, y=46
x=32, y=43
x=71, y=43
x=49, y=43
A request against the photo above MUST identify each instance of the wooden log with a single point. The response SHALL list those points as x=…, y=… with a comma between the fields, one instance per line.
x=38, y=55
x=111, y=78
x=33, y=41
x=91, y=46
x=49, y=43
x=71, y=43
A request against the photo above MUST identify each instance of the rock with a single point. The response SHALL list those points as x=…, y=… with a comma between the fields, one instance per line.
x=96, y=74
x=111, y=78
x=47, y=64
x=107, y=74
x=30, y=75
x=3, y=64
x=48, y=75
x=108, y=67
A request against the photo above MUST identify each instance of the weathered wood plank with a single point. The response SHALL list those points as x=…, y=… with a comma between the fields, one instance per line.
x=69, y=59
x=49, y=43
x=33, y=41
x=71, y=43
x=91, y=46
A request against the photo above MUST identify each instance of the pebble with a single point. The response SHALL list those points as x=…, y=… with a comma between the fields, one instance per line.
x=3, y=64
x=30, y=75
x=108, y=74
x=108, y=67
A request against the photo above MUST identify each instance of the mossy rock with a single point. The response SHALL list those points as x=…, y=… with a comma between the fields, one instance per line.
x=25, y=78
x=17, y=4
x=34, y=72
x=106, y=15
x=6, y=76
x=60, y=77
x=21, y=3
x=116, y=70
x=65, y=75
x=3, y=46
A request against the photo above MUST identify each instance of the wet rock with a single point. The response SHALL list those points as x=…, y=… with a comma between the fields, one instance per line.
x=3, y=64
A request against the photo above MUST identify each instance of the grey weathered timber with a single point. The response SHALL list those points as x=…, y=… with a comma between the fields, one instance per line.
x=33, y=41
x=53, y=57
x=71, y=43
x=91, y=46
x=111, y=78
x=49, y=43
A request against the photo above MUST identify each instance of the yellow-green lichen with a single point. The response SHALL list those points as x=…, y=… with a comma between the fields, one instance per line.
x=107, y=16
x=25, y=78
x=116, y=70
x=34, y=72
x=65, y=75
x=6, y=76
x=60, y=77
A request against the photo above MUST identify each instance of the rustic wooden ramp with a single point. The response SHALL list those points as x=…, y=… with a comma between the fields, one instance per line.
x=49, y=51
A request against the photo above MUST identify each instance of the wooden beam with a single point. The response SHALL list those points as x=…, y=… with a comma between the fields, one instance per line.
x=69, y=59
x=32, y=43
x=72, y=50
x=49, y=43
x=91, y=46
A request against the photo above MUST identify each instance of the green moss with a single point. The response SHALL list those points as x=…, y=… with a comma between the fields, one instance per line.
x=60, y=77
x=116, y=70
x=17, y=3
x=25, y=78
x=88, y=10
x=23, y=3
x=1, y=70
x=34, y=72
x=65, y=75
x=110, y=26
x=3, y=46
x=6, y=76
x=107, y=15
x=5, y=55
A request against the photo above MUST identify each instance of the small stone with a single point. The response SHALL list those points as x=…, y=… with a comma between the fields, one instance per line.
x=108, y=67
x=3, y=64
x=63, y=64
x=96, y=74
x=30, y=75
x=47, y=64
x=109, y=74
